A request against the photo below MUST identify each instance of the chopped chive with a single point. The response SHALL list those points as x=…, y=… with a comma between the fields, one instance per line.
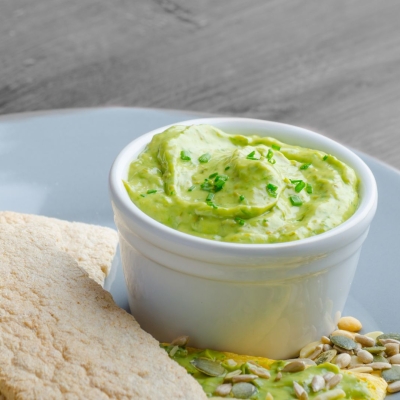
x=240, y=221
x=221, y=177
x=207, y=186
x=300, y=186
x=295, y=200
x=309, y=188
x=269, y=157
x=251, y=155
x=192, y=188
x=265, y=220
x=151, y=191
x=210, y=196
x=142, y=195
x=185, y=155
x=295, y=180
x=218, y=185
x=305, y=166
x=276, y=147
x=212, y=204
x=324, y=158
x=227, y=167
x=213, y=175
x=271, y=189
x=241, y=197
x=205, y=158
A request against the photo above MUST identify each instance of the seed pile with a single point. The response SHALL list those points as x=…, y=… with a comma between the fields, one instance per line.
x=344, y=350
x=373, y=352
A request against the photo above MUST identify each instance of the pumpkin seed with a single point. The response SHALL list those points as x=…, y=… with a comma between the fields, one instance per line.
x=243, y=390
x=341, y=332
x=375, y=349
x=379, y=358
x=392, y=374
x=374, y=334
x=326, y=356
x=395, y=336
x=340, y=350
x=208, y=367
x=343, y=342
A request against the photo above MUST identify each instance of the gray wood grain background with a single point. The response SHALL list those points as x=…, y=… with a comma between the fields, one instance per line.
x=332, y=66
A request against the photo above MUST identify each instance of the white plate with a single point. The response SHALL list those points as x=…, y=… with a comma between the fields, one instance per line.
x=56, y=164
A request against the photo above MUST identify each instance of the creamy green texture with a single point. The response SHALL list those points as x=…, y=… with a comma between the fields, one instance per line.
x=244, y=189
x=280, y=390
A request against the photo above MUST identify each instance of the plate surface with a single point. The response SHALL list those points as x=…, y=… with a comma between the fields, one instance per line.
x=56, y=164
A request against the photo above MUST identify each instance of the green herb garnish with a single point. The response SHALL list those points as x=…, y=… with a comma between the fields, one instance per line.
x=250, y=156
x=192, y=188
x=185, y=155
x=240, y=221
x=207, y=185
x=325, y=157
x=227, y=167
x=295, y=200
x=151, y=191
x=300, y=186
x=309, y=188
x=276, y=147
x=142, y=195
x=218, y=185
x=210, y=197
x=212, y=204
x=205, y=158
x=213, y=175
x=241, y=197
x=269, y=157
x=271, y=189
x=305, y=166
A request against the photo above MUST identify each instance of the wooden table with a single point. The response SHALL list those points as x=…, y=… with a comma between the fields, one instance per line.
x=332, y=66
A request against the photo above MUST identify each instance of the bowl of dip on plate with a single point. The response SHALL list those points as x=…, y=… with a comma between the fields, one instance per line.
x=243, y=234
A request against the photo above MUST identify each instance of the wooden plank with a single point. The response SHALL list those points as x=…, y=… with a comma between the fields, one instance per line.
x=332, y=66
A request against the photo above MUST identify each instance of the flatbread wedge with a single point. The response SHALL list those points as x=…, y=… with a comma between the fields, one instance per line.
x=63, y=337
x=92, y=246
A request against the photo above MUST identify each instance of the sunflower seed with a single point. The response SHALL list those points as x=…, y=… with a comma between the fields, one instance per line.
x=269, y=396
x=224, y=389
x=364, y=340
x=340, y=332
x=365, y=356
x=317, y=383
x=294, y=366
x=343, y=342
x=328, y=376
x=208, y=367
x=231, y=374
x=392, y=349
x=259, y=371
x=173, y=351
x=244, y=378
x=361, y=369
x=331, y=395
x=394, y=387
x=325, y=340
x=327, y=347
x=386, y=341
x=180, y=341
x=278, y=377
x=395, y=359
x=326, y=356
x=391, y=375
x=231, y=363
x=316, y=352
x=309, y=349
x=243, y=390
x=342, y=360
x=379, y=365
x=334, y=381
x=299, y=391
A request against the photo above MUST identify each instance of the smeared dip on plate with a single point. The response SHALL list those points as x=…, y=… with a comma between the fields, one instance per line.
x=243, y=189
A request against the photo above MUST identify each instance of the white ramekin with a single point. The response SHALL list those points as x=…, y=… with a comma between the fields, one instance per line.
x=256, y=299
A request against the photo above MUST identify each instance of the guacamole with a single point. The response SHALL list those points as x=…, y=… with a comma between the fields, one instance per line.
x=243, y=189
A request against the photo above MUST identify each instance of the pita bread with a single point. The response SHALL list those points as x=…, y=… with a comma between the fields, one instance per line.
x=63, y=337
x=92, y=246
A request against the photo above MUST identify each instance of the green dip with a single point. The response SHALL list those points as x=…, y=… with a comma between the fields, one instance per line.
x=280, y=390
x=243, y=189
